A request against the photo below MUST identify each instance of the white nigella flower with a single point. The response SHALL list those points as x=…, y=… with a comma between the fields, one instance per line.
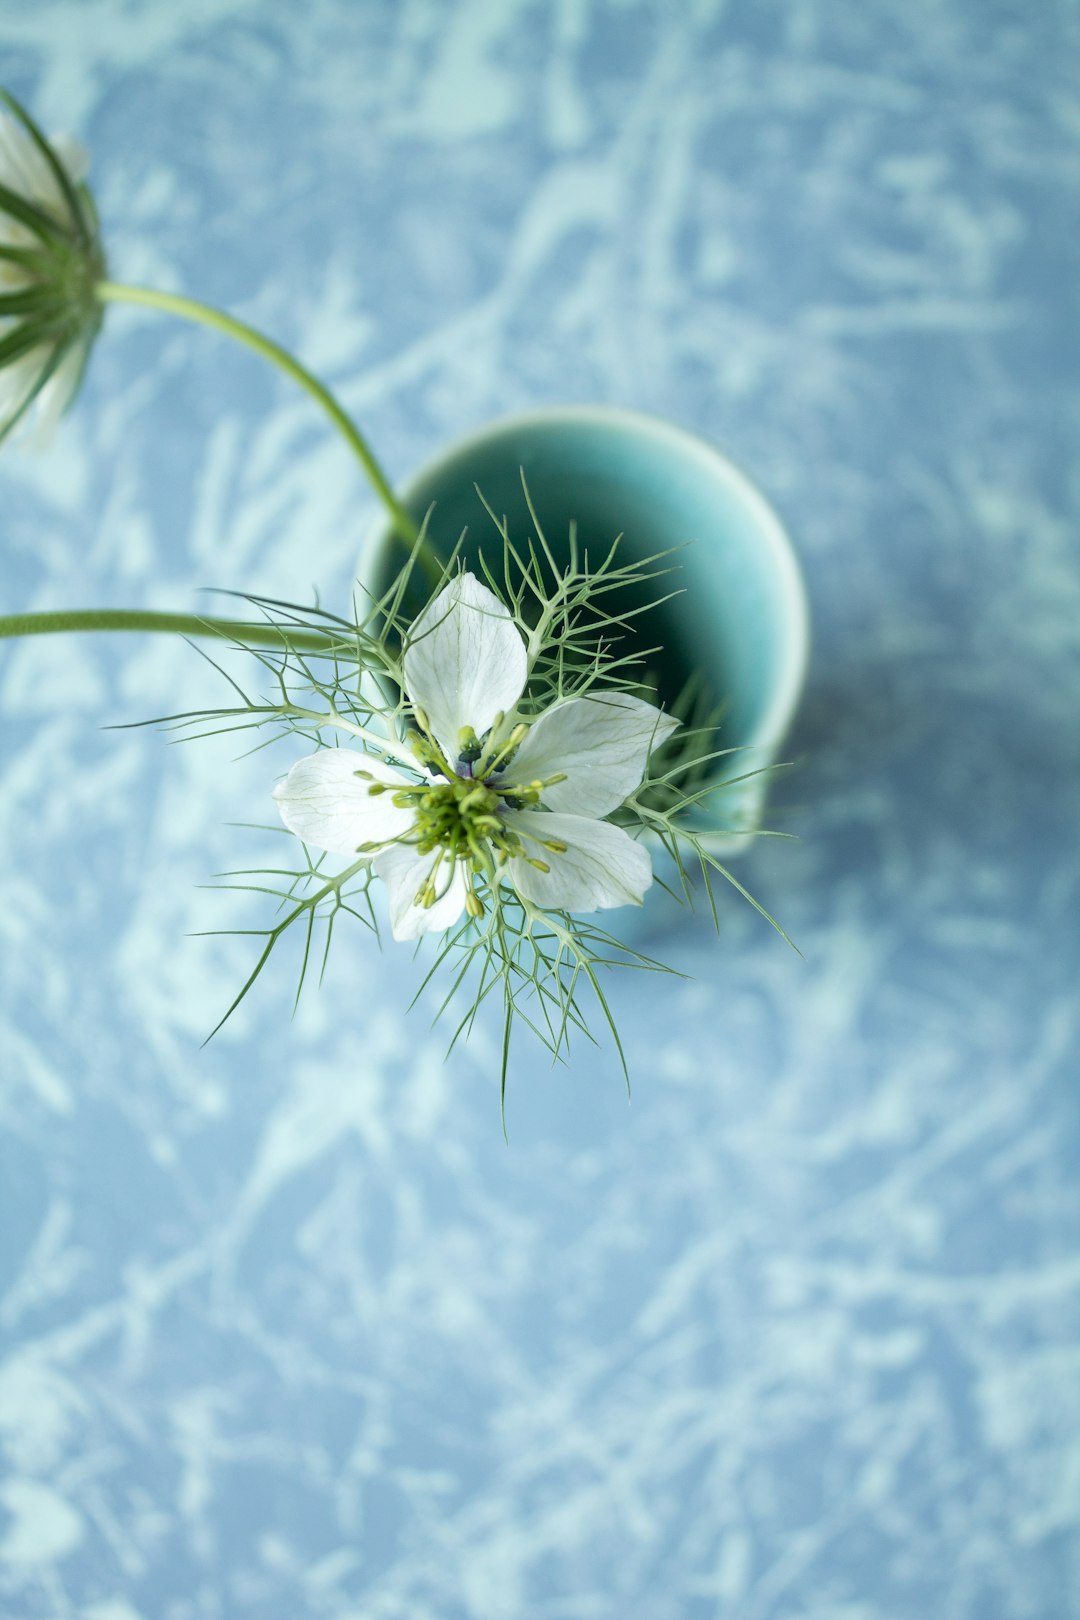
x=499, y=799
x=50, y=261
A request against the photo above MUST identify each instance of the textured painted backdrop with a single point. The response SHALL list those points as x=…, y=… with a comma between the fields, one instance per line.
x=285, y=1329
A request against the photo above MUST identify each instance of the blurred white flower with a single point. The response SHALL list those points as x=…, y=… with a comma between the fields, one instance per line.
x=50, y=261
x=494, y=799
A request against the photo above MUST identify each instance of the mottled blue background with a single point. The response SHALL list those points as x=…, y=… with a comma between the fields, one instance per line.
x=286, y=1331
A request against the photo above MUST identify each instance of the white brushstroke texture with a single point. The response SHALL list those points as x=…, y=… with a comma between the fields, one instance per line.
x=285, y=1330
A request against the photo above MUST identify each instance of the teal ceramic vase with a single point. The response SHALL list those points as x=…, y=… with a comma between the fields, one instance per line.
x=739, y=619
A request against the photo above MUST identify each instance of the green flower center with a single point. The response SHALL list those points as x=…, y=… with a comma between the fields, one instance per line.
x=458, y=816
x=460, y=820
x=463, y=817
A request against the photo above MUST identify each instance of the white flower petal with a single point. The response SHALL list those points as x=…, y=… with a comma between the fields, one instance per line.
x=55, y=398
x=17, y=380
x=464, y=661
x=405, y=872
x=24, y=169
x=20, y=379
x=602, y=866
x=326, y=804
x=73, y=155
x=602, y=743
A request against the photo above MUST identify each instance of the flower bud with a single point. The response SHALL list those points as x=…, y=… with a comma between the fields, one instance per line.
x=50, y=263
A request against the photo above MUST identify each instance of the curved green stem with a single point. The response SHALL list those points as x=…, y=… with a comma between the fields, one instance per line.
x=176, y=624
x=114, y=292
